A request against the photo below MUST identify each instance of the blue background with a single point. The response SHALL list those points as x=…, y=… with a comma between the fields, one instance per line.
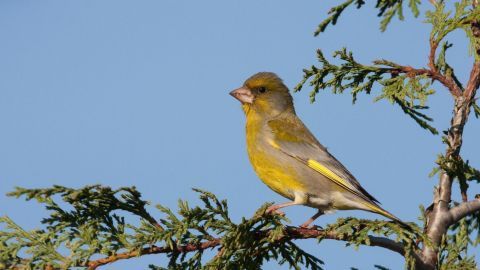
x=129, y=93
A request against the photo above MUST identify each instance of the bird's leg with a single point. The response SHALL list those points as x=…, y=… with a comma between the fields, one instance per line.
x=307, y=223
x=274, y=208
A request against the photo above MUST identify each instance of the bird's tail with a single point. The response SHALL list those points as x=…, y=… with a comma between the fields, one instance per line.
x=372, y=207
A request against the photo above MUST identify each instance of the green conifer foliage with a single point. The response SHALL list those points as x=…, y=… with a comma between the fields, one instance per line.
x=95, y=226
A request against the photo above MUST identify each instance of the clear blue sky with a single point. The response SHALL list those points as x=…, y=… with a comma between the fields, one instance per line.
x=136, y=93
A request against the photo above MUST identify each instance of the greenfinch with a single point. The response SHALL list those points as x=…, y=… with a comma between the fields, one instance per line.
x=289, y=159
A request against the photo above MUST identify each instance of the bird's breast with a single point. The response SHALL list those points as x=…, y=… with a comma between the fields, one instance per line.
x=274, y=168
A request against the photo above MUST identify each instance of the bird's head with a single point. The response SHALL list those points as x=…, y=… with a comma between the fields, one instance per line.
x=264, y=93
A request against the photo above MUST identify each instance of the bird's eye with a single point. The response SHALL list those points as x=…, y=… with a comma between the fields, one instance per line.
x=262, y=89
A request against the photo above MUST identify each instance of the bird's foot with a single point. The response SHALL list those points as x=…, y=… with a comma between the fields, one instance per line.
x=274, y=210
x=308, y=224
x=311, y=227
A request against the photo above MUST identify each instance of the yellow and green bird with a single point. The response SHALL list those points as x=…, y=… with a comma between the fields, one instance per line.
x=289, y=159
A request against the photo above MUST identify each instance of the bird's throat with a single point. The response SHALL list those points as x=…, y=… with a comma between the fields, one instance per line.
x=246, y=108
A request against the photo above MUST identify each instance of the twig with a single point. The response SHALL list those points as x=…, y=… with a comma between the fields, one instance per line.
x=431, y=55
x=447, y=81
x=473, y=82
x=92, y=265
x=290, y=233
x=464, y=209
x=441, y=217
x=302, y=233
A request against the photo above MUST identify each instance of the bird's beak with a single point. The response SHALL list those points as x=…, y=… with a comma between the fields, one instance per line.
x=243, y=94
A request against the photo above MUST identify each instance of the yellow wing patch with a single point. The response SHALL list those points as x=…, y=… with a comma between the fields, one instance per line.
x=345, y=184
x=329, y=174
x=321, y=169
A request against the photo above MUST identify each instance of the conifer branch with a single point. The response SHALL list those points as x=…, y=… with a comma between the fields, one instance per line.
x=193, y=230
x=291, y=233
x=474, y=79
x=464, y=209
x=403, y=85
x=433, y=73
x=448, y=80
x=92, y=265
x=473, y=82
x=439, y=219
x=447, y=250
x=387, y=10
x=94, y=230
x=442, y=216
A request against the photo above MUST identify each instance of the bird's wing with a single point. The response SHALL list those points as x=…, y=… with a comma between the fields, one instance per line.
x=293, y=138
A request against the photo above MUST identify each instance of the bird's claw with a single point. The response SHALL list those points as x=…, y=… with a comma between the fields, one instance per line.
x=311, y=227
x=306, y=226
x=279, y=212
x=275, y=211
